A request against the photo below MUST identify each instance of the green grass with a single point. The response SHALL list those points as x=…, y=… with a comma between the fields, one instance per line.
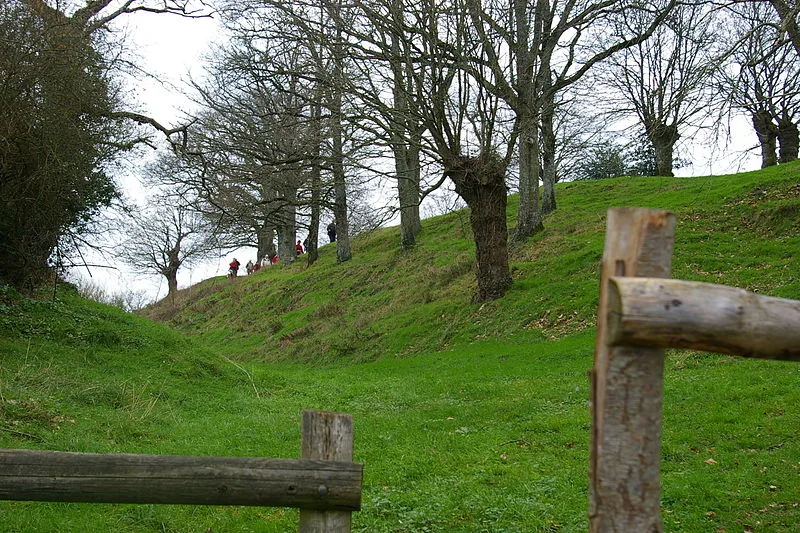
x=468, y=418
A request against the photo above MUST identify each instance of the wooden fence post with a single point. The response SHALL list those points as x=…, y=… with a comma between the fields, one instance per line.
x=329, y=437
x=627, y=386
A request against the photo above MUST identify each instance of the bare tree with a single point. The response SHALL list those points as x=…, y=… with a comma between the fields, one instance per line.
x=255, y=153
x=665, y=82
x=534, y=51
x=762, y=79
x=475, y=77
x=165, y=236
x=302, y=49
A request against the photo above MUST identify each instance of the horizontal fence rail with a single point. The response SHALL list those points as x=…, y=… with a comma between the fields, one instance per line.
x=325, y=484
x=668, y=313
x=127, y=478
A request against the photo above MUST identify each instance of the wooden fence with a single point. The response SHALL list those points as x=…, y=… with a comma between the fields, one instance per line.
x=325, y=484
x=641, y=313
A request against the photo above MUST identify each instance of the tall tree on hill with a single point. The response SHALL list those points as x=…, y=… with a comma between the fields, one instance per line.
x=665, y=81
x=384, y=79
x=335, y=81
x=405, y=130
x=762, y=79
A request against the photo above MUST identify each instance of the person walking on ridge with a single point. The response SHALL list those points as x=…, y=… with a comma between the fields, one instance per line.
x=234, y=268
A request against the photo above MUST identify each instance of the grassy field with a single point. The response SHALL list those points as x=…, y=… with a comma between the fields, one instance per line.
x=468, y=418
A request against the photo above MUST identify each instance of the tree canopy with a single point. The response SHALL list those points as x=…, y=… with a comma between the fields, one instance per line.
x=55, y=103
x=63, y=124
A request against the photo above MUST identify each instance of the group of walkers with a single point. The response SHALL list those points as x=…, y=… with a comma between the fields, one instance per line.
x=250, y=267
x=300, y=249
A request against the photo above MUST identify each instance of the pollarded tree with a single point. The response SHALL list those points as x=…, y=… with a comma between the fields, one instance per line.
x=534, y=51
x=762, y=79
x=665, y=81
x=469, y=132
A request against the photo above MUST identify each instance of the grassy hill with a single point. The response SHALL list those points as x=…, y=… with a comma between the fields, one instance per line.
x=739, y=230
x=469, y=418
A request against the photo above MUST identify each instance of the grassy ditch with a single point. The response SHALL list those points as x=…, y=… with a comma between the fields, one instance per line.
x=468, y=418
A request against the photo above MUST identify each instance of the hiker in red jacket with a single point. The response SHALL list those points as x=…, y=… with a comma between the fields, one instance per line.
x=234, y=268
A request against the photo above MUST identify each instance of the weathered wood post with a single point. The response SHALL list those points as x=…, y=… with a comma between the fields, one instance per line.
x=326, y=436
x=627, y=386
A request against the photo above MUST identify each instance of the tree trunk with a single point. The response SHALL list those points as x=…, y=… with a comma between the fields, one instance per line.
x=316, y=190
x=286, y=244
x=287, y=230
x=663, y=158
x=663, y=137
x=265, y=240
x=548, y=157
x=408, y=194
x=172, y=282
x=171, y=270
x=767, y=134
x=481, y=183
x=406, y=154
x=313, y=225
x=789, y=139
x=529, y=216
x=343, y=251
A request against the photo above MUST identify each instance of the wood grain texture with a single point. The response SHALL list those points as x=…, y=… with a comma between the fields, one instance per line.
x=127, y=478
x=627, y=385
x=666, y=313
x=326, y=436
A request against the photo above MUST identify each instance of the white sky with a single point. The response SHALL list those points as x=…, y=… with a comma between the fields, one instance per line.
x=171, y=48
